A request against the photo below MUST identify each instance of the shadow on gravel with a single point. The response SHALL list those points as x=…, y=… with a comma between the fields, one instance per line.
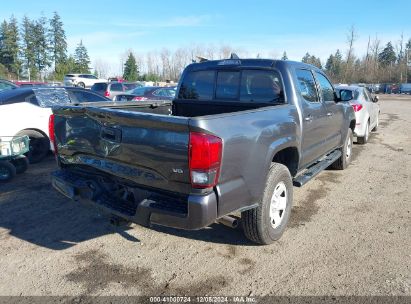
x=33, y=211
x=216, y=233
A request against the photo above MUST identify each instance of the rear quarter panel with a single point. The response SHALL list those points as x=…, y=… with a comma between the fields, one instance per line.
x=250, y=141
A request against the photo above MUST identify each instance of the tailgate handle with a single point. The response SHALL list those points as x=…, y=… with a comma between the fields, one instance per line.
x=111, y=134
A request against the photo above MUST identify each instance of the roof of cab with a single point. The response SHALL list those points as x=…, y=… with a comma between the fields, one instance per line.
x=248, y=63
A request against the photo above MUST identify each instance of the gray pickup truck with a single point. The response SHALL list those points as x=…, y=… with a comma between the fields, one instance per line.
x=238, y=136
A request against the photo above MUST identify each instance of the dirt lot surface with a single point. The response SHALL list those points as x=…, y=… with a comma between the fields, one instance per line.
x=350, y=234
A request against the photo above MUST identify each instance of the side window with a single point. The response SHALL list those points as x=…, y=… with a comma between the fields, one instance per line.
x=5, y=86
x=227, y=85
x=367, y=94
x=81, y=96
x=326, y=89
x=197, y=86
x=306, y=85
x=261, y=86
x=116, y=87
x=159, y=92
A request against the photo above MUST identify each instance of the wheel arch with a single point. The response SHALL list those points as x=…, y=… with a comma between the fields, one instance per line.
x=289, y=157
x=33, y=129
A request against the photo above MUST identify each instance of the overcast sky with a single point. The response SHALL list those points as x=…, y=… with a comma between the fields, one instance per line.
x=109, y=28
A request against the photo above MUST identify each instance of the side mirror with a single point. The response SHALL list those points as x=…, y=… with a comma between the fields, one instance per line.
x=376, y=98
x=345, y=95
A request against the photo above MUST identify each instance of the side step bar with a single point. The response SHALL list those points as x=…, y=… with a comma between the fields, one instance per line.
x=315, y=169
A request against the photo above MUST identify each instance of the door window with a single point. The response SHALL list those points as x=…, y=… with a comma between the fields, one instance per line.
x=306, y=85
x=326, y=89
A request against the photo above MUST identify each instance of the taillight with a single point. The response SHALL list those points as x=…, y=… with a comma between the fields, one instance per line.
x=204, y=159
x=356, y=107
x=107, y=94
x=139, y=98
x=52, y=134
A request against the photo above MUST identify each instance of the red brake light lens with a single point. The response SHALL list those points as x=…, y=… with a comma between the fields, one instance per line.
x=52, y=134
x=107, y=94
x=139, y=98
x=356, y=107
x=204, y=159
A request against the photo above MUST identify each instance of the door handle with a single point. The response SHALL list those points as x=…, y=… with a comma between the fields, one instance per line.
x=329, y=114
x=308, y=118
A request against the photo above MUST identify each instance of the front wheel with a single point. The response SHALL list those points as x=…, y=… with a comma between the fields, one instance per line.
x=81, y=85
x=346, y=153
x=7, y=171
x=266, y=223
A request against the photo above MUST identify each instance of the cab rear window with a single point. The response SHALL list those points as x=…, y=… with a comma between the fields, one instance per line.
x=259, y=86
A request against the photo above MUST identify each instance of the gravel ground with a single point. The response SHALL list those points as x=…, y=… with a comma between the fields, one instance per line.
x=349, y=235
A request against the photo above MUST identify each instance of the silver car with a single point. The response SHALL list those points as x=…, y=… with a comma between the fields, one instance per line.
x=366, y=110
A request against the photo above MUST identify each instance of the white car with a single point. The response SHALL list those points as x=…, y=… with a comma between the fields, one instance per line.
x=26, y=111
x=366, y=110
x=81, y=80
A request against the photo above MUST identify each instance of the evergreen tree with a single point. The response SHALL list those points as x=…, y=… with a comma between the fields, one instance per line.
x=311, y=59
x=82, y=59
x=9, y=46
x=28, y=47
x=130, y=68
x=41, y=46
x=57, y=40
x=387, y=56
x=285, y=57
x=4, y=56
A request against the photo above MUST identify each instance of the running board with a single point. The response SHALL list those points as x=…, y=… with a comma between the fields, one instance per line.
x=315, y=169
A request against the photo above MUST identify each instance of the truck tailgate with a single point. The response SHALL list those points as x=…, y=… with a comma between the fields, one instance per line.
x=148, y=149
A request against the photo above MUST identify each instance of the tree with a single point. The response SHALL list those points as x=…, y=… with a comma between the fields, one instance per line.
x=130, y=68
x=351, y=38
x=284, y=57
x=9, y=46
x=28, y=46
x=334, y=66
x=57, y=40
x=41, y=46
x=82, y=59
x=387, y=57
x=311, y=59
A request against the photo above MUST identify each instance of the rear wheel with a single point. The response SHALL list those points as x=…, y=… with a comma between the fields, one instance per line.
x=364, y=139
x=346, y=153
x=81, y=85
x=7, y=171
x=39, y=145
x=21, y=163
x=266, y=223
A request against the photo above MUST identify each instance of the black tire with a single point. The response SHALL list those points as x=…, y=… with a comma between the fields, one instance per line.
x=81, y=85
x=375, y=129
x=7, y=171
x=362, y=140
x=345, y=158
x=257, y=223
x=39, y=145
x=21, y=163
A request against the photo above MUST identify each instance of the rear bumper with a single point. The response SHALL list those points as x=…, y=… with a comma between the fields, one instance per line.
x=191, y=213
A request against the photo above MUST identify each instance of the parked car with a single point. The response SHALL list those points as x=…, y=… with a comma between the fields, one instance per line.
x=7, y=85
x=22, y=84
x=366, y=110
x=405, y=88
x=148, y=93
x=240, y=134
x=111, y=89
x=81, y=80
x=25, y=111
